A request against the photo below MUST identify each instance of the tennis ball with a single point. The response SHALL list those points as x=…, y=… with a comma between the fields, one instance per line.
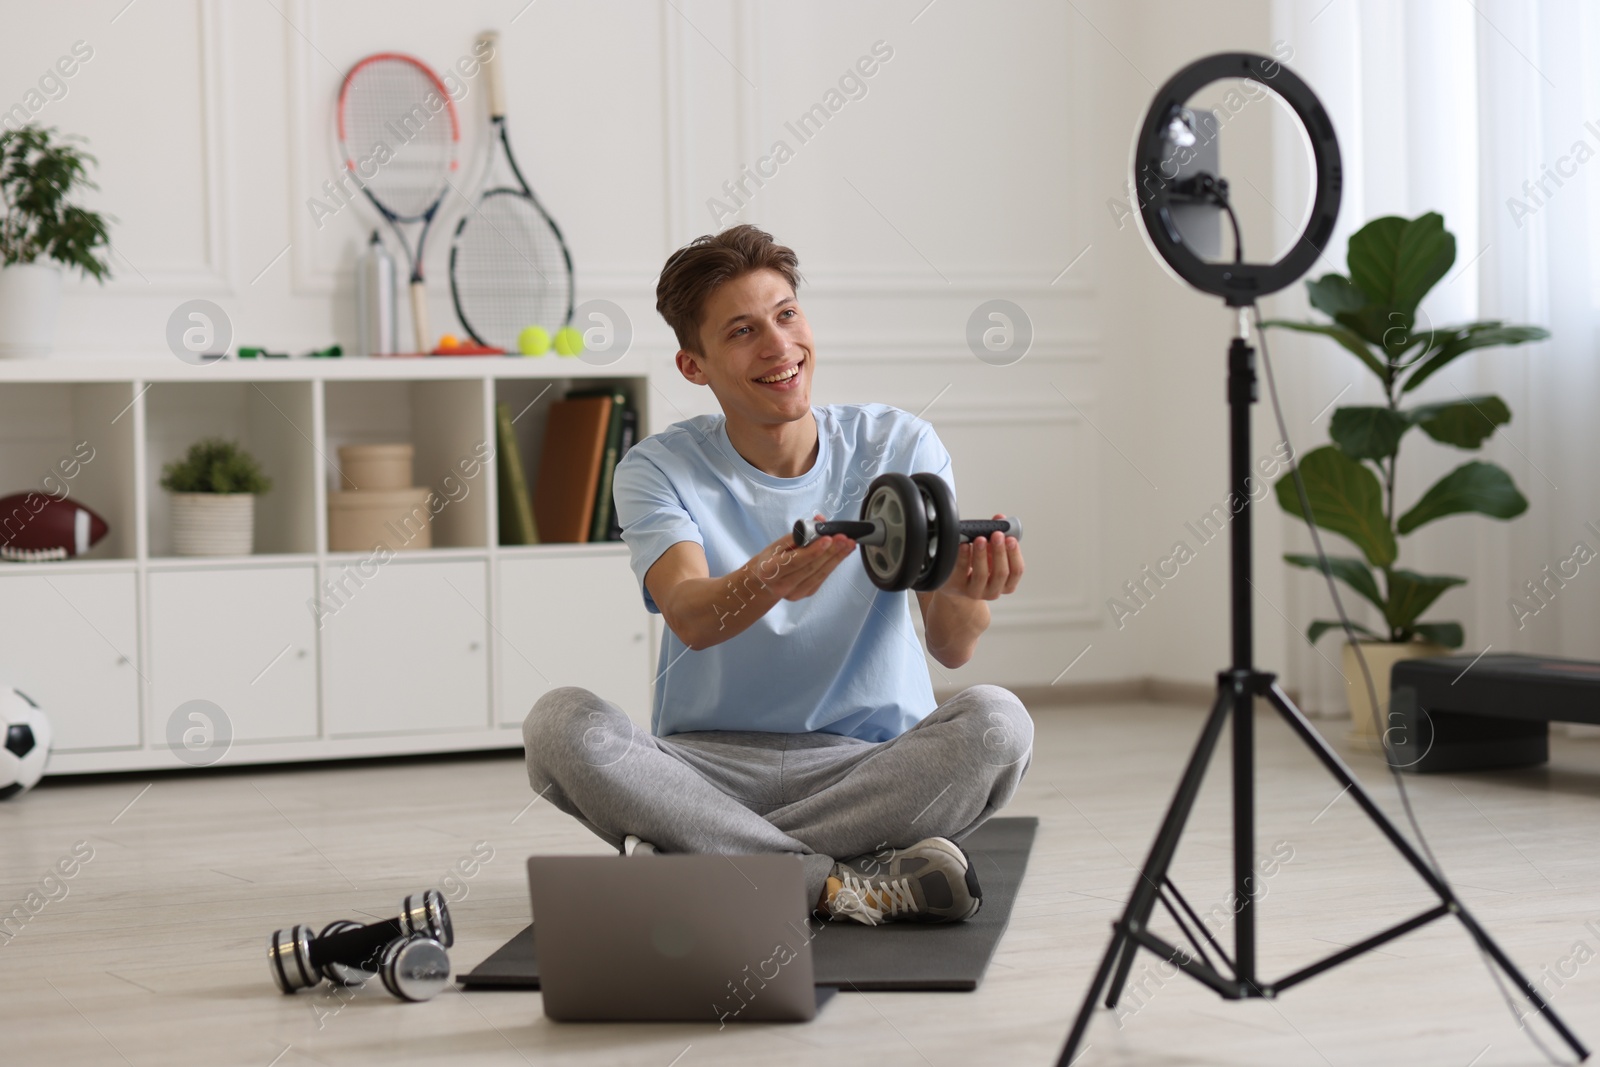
x=449, y=340
x=569, y=342
x=533, y=341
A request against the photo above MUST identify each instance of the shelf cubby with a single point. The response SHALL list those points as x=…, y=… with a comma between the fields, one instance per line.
x=444, y=421
x=270, y=420
x=75, y=441
x=529, y=401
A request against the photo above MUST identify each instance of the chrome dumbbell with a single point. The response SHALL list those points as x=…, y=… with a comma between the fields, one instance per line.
x=408, y=951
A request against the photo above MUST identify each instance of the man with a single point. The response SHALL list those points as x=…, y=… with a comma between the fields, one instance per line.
x=793, y=709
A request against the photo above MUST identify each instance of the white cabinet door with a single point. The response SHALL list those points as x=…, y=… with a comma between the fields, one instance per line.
x=404, y=648
x=241, y=638
x=70, y=641
x=572, y=621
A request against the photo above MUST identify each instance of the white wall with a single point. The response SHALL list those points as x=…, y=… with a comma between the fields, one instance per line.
x=959, y=176
x=1167, y=358
x=987, y=154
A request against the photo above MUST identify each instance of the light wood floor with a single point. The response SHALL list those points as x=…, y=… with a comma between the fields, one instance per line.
x=155, y=955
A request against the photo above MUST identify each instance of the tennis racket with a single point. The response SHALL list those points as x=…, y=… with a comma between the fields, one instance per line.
x=509, y=266
x=399, y=136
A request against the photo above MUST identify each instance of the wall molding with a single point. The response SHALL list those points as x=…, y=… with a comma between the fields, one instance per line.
x=867, y=284
x=305, y=277
x=870, y=285
x=1008, y=413
x=1026, y=611
x=1146, y=689
x=866, y=351
x=1044, y=613
x=674, y=97
x=213, y=276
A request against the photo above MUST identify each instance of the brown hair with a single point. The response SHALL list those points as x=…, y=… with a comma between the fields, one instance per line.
x=699, y=268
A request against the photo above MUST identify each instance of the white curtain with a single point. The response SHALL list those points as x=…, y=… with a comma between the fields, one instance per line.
x=1489, y=112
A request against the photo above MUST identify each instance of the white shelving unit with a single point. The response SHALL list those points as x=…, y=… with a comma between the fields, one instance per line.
x=309, y=654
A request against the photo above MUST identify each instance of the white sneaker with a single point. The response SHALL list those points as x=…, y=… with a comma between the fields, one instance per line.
x=633, y=846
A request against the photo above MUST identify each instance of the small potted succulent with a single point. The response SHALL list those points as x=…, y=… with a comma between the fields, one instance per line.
x=41, y=232
x=1353, y=483
x=214, y=489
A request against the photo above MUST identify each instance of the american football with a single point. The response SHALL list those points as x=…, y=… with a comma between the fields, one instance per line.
x=36, y=526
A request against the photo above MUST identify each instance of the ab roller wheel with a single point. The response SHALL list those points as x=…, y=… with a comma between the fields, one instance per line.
x=895, y=560
x=944, y=537
x=909, y=533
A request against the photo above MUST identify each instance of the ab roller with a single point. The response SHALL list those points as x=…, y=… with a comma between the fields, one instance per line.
x=908, y=531
x=408, y=951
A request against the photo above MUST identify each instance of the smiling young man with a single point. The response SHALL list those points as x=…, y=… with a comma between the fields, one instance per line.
x=793, y=710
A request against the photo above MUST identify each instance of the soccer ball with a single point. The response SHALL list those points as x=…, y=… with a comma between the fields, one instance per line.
x=24, y=742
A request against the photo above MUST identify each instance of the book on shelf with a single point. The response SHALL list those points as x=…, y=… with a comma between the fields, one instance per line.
x=517, y=525
x=570, y=465
x=604, y=505
x=630, y=434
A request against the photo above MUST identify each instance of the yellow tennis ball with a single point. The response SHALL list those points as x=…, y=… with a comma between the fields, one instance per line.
x=569, y=342
x=533, y=341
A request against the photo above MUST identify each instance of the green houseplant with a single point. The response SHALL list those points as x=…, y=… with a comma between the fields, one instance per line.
x=214, y=487
x=41, y=231
x=1353, y=483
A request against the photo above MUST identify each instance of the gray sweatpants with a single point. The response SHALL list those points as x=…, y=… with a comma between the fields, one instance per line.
x=823, y=796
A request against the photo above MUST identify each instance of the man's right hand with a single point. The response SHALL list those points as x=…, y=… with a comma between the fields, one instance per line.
x=705, y=611
x=795, y=573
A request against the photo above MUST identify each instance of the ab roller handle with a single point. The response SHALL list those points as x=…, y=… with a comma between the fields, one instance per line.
x=866, y=533
x=874, y=531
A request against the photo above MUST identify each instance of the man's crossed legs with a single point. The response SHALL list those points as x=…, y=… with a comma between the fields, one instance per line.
x=825, y=797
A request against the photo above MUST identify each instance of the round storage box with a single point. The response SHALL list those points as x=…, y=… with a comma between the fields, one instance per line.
x=376, y=466
x=360, y=520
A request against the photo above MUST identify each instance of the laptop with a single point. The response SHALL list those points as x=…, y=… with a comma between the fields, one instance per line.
x=689, y=938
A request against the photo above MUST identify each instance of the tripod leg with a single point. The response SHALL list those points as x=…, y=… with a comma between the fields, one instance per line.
x=1330, y=759
x=1130, y=949
x=1154, y=872
x=1119, y=943
x=1525, y=987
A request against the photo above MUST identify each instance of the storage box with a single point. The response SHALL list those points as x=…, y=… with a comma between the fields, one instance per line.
x=361, y=519
x=375, y=466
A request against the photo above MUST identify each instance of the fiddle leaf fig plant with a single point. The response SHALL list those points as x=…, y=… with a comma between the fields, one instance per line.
x=1352, y=484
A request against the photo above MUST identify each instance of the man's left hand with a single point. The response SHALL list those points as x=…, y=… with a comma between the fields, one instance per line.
x=986, y=568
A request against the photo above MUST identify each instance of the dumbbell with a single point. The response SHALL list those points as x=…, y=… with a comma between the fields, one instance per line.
x=908, y=531
x=407, y=950
x=412, y=966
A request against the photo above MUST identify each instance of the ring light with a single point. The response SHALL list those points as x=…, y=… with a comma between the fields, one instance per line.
x=1240, y=284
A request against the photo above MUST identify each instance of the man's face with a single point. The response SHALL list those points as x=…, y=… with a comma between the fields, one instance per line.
x=758, y=351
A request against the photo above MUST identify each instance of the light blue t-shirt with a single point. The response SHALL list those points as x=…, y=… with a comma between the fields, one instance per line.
x=845, y=660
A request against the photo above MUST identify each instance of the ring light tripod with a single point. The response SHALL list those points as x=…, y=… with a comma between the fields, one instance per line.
x=1160, y=188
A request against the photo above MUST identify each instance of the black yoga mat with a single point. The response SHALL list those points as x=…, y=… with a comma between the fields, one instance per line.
x=895, y=956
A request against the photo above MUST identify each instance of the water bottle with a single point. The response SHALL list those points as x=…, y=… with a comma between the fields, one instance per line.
x=376, y=309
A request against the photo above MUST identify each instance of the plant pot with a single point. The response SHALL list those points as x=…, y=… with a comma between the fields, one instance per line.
x=1381, y=657
x=30, y=294
x=213, y=524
